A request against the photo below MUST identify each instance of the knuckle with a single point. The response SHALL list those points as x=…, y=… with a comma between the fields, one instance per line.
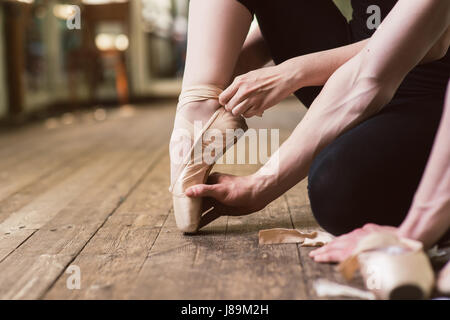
x=368, y=226
x=246, y=90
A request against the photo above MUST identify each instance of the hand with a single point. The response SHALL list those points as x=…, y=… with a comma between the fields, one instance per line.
x=229, y=195
x=341, y=248
x=252, y=93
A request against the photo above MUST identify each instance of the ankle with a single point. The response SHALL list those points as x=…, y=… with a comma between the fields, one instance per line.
x=199, y=110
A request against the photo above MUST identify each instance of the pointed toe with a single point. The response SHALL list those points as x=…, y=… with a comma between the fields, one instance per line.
x=187, y=213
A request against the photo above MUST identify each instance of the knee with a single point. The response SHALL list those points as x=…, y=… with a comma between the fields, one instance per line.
x=330, y=195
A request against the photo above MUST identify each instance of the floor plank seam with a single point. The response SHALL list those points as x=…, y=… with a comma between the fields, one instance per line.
x=289, y=210
x=85, y=152
x=300, y=261
x=130, y=191
x=154, y=241
x=20, y=244
x=52, y=171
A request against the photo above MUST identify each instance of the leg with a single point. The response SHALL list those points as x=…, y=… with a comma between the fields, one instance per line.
x=217, y=30
x=370, y=173
x=216, y=33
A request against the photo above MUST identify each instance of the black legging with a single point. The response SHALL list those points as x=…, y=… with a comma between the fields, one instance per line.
x=370, y=173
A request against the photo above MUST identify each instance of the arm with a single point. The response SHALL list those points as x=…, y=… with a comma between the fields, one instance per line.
x=252, y=93
x=358, y=89
x=316, y=68
x=429, y=216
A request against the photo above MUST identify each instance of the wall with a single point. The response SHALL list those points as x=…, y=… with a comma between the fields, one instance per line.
x=345, y=7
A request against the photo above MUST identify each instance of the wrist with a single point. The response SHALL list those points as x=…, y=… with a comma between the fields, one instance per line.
x=261, y=186
x=294, y=69
x=425, y=225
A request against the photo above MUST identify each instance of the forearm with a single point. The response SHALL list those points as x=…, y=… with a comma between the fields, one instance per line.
x=429, y=216
x=316, y=68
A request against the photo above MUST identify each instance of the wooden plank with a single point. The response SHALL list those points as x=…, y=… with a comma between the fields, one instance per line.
x=46, y=205
x=22, y=144
x=18, y=141
x=53, y=153
x=77, y=154
x=31, y=269
x=223, y=261
x=261, y=272
x=114, y=154
x=299, y=206
x=121, y=233
x=111, y=260
x=9, y=244
x=75, y=161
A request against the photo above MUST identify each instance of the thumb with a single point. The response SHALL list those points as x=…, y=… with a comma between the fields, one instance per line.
x=203, y=190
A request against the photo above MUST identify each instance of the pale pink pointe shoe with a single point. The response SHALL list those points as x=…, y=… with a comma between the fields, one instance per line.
x=196, y=166
x=392, y=267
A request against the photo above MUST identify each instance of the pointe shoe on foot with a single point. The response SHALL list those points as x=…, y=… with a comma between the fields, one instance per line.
x=196, y=165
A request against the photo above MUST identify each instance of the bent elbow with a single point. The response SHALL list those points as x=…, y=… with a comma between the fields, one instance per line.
x=438, y=51
x=440, y=48
x=380, y=90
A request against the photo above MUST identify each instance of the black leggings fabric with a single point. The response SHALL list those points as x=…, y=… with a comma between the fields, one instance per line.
x=370, y=173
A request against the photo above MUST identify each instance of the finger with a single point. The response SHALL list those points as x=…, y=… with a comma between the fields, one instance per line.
x=217, y=177
x=371, y=227
x=249, y=114
x=256, y=107
x=320, y=250
x=240, y=96
x=229, y=92
x=204, y=190
x=334, y=256
x=242, y=107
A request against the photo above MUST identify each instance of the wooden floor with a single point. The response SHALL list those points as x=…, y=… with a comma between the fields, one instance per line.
x=75, y=191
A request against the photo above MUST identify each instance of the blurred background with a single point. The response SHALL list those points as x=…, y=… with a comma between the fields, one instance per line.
x=118, y=52
x=125, y=52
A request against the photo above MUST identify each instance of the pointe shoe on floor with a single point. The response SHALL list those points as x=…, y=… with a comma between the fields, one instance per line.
x=196, y=165
x=392, y=267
